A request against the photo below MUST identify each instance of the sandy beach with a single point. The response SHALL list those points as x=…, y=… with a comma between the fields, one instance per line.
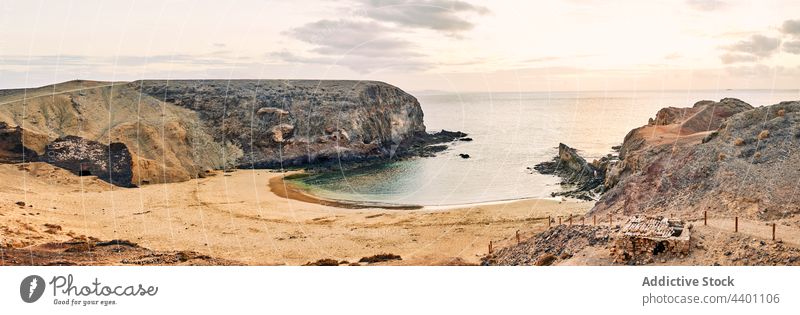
x=237, y=216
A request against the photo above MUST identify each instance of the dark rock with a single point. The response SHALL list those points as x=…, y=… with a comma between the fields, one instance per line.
x=304, y=121
x=11, y=148
x=379, y=258
x=463, y=155
x=545, y=248
x=323, y=262
x=83, y=157
x=574, y=169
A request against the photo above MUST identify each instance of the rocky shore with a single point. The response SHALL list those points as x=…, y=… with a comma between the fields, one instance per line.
x=581, y=180
x=171, y=131
x=726, y=157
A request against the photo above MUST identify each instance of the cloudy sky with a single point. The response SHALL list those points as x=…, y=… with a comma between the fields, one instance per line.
x=417, y=45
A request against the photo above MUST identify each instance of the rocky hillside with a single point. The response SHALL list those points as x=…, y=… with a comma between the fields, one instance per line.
x=177, y=130
x=285, y=123
x=721, y=156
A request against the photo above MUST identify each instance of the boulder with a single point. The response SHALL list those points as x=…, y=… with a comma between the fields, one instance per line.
x=282, y=132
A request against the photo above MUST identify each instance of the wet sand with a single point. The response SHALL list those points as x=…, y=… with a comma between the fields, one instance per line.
x=246, y=217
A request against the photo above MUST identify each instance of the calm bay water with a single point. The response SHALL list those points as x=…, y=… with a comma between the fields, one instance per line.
x=511, y=131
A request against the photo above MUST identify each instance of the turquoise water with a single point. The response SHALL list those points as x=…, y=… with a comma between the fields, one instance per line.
x=511, y=131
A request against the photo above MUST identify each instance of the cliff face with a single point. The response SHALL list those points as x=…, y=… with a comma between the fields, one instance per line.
x=285, y=123
x=176, y=130
x=724, y=156
x=111, y=163
x=166, y=143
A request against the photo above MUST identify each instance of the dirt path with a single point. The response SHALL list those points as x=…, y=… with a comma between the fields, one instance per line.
x=758, y=229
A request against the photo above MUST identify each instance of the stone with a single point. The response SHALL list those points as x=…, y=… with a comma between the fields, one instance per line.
x=272, y=110
x=282, y=132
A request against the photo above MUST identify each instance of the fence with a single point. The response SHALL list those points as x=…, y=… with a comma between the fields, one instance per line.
x=550, y=221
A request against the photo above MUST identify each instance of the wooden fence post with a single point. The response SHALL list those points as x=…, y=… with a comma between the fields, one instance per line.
x=773, y=231
x=490, y=247
x=570, y=220
x=517, y=237
x=549, y=220
x=594, y=219
x=583, y=220
x=736, y=224
x=610, y=220
x=705, y=217
x=559, y=220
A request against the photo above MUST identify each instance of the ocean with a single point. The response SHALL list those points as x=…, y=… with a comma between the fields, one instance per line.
x=511, y=132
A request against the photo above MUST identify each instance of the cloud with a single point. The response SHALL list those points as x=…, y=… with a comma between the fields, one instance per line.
x=356, y=63
x=374, y=36
x=792, y=47
x=362, y=46
x=759, y=70
x=791, y=27
x=340, y=37
x=85, y=61
x=758, y=45
x=440, y=15
x=752, y=49
x=707, y=5
x=45, y=60
x=736, y=58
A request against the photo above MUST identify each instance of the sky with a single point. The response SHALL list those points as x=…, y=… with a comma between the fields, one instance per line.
x=417, y=45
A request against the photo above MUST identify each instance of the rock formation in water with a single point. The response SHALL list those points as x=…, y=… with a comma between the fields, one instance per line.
x=721, y=156
x=178, y=130
x=584, y=179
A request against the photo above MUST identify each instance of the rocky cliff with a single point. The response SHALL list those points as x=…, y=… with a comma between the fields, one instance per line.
x=286, y=123
x=721, y=156
x=178, y=130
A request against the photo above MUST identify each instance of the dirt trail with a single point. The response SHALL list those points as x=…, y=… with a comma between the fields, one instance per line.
x=758, y=229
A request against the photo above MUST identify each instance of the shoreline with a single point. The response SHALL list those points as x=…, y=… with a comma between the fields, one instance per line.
x=285, y=189
x=282, y=188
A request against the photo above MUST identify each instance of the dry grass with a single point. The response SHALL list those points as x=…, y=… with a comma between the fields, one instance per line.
x=722, y=157
x=763, y=135
x=781, y=112
x=738, y=142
